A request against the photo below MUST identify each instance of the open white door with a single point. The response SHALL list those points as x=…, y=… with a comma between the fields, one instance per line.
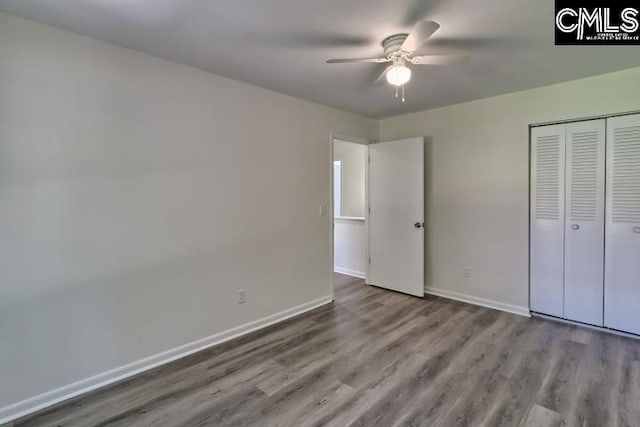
x=396, y=218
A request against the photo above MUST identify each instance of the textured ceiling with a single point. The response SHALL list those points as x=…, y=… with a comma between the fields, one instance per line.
x=283, y=44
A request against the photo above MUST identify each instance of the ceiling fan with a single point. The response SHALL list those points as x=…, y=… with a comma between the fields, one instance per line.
x=400, y=50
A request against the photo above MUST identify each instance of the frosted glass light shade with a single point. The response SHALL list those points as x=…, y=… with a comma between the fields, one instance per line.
x=398, y=75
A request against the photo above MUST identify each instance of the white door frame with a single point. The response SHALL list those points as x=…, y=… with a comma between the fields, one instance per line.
x=356, y=140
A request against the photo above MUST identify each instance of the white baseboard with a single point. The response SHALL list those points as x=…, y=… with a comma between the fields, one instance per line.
x=36, y=403
x=349, y=272
x=514, y=309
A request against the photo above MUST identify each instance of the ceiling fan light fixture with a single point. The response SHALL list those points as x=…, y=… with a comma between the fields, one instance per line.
x=398, y=75
x=400, y=49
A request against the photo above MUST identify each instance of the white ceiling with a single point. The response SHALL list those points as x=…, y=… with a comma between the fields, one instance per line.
x=283, y=44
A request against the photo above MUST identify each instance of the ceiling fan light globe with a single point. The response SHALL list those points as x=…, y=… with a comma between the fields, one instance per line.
x=398, y=75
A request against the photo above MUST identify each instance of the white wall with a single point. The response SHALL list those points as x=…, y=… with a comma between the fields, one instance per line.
x=137, y=195
x=477, y=179
x=353, y=158
x=350, y=246
x=350, y=235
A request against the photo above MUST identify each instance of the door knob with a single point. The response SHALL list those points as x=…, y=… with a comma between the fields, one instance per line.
x=417, y=225
x=575, y=227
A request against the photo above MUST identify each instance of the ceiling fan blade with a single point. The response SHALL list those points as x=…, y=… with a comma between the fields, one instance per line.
x=382, y=77
x=374, y=60
x=372, y=76
x=419, y=9
x=306, y=41
x=466, y=43
x=421, y=32
x=439, y=59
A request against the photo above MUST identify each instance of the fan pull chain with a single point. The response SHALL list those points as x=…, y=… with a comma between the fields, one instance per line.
x=398, y=90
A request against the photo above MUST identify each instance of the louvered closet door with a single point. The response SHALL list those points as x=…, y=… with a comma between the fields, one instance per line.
x=547, y=219
x=622, y=251
x=584, y=225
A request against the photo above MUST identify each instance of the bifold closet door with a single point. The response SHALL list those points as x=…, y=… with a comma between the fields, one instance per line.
x=547, y=219
x=584, y=222
x=622, y=251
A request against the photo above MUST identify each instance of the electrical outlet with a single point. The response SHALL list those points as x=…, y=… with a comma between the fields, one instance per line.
x=467, y=272
x=242, y=296
x=323, y=210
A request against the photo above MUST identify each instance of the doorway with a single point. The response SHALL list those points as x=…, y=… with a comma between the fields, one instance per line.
x=377, y=208
x=349, y=205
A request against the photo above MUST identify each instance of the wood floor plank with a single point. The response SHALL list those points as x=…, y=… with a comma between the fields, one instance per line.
x=595, y=398
x=394, y=403
x=627, y=391
x=464, y=396
x=380, y=358
x=284, y=403
x=315, y=411
x=540, y=416
x=524, y=383
x=559, y=386
x=367, y=396
x=367, y=361
x=199, y=401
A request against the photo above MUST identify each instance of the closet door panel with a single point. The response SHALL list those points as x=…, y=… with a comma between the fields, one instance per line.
x=584, y=222
x=622, y=249
x=547, y=219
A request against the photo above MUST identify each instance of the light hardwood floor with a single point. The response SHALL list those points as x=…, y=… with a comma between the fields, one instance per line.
x=378, y=358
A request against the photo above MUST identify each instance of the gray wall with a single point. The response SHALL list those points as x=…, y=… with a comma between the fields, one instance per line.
x=353, y=157
x=477, y=201
x=137, y=195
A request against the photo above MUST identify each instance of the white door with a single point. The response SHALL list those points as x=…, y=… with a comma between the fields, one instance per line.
x=584, y=225
x=396, y=219
x=622, y=251
x=547, y=219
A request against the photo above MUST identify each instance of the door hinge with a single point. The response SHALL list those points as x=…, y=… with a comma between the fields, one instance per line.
x=369, y=159
x=369, y=209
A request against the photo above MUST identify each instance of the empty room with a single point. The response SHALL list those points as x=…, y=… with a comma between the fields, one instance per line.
x=320, y=213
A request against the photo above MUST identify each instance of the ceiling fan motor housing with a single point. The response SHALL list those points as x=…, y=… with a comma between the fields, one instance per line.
x=392, y=44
